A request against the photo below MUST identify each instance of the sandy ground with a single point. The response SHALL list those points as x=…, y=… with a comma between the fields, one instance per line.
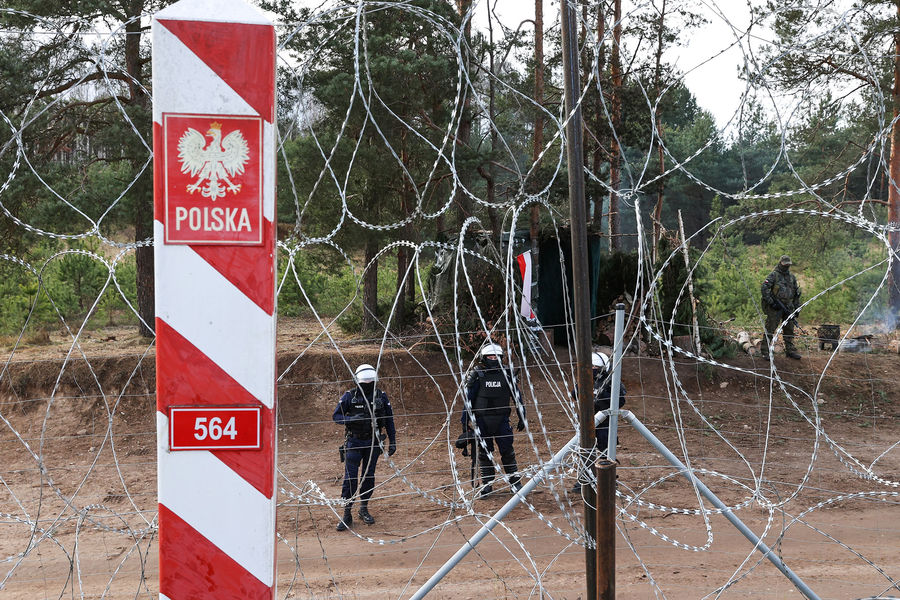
x=78, y=449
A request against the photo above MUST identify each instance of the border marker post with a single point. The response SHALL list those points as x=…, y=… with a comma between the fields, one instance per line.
x=214, y=258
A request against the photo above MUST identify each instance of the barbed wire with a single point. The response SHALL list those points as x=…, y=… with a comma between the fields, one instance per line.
x=77, y=491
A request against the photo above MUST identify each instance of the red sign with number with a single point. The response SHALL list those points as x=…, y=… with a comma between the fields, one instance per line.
x=232, y=428
x=213, y=179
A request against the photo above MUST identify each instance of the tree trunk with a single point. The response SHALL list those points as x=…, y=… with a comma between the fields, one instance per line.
x=410, y=280
x=440, y=226
x=461, y=200
x=370, y=287
x=615, y=240
x=538, y=141
x=402, y=264
x=893, y=192
x=585, y=62
x=660, y=188
x=143, y=258
x=599, y=125
x=489, y=177
x=143, y=190
x=660, y=155
x=685, y=251
x=404, y=290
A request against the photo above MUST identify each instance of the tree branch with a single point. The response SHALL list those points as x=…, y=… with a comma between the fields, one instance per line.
x=92, y=77
x=856, y=75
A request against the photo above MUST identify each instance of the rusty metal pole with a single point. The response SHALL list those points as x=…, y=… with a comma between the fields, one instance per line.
x=606, y=530
x=580, y=274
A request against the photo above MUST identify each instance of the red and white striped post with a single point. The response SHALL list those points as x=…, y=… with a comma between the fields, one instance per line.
x=214, y=236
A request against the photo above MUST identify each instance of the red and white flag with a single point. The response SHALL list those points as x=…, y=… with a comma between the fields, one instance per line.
x=524, y=261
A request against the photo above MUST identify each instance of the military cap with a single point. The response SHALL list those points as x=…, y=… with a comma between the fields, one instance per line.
x=785, y=260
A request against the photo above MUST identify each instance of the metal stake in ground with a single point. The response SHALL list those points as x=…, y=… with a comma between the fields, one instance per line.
x=616, y=385
x=606, y=530
x=580, y=271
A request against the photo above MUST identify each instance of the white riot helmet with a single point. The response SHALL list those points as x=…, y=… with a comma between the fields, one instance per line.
x=600, y=361
x=492, y=350
x=365, y=373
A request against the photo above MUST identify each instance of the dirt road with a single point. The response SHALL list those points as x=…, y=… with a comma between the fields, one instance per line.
x=79, y=463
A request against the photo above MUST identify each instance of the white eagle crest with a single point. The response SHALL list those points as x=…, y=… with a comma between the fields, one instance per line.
x=213, y=163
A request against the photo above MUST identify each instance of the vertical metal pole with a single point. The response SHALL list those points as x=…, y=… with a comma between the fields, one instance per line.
x=606, y=530
x=616, y=382
x=580, y=271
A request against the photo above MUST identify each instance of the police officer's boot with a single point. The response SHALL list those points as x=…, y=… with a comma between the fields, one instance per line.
x=510, y=467
x=364, y=514
x=515, y=482
x=486, y=490
x=487, y=478
x=791, y=352
x=347, y=520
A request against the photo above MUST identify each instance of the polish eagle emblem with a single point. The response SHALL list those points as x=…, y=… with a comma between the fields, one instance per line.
x=214, y=164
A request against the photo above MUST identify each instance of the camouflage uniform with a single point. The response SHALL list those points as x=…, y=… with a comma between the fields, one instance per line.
x=780, y=284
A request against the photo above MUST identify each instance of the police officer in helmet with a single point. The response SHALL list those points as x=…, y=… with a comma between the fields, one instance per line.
x=602, y=392
x=600, y=369
x=489, y=390
x=364, y=411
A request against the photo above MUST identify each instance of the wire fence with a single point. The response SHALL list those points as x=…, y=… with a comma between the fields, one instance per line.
x=408, y=152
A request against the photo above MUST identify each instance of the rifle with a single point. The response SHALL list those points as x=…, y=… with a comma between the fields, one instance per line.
x=785, y=312
x=468, y=443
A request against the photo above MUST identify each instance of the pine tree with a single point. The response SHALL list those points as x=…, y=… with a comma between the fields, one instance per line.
x=72, y=106
x=384, y=82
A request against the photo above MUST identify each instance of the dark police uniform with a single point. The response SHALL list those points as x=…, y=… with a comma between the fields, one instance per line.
x=489, y=391
x=363, y=416
x=602, y=401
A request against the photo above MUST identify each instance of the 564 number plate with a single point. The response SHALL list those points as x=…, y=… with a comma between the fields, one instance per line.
x=219, y=428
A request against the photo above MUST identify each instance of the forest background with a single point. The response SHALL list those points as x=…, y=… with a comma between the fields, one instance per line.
x=814, y=131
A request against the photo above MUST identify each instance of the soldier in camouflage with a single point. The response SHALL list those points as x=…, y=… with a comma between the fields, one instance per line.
x=780, y=286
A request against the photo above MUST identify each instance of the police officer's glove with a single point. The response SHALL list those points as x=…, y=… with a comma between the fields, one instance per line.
x=391, y=449
x=521, y=425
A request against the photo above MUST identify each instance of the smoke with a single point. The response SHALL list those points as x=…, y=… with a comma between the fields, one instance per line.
x=862, y=343
x=878, y=320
